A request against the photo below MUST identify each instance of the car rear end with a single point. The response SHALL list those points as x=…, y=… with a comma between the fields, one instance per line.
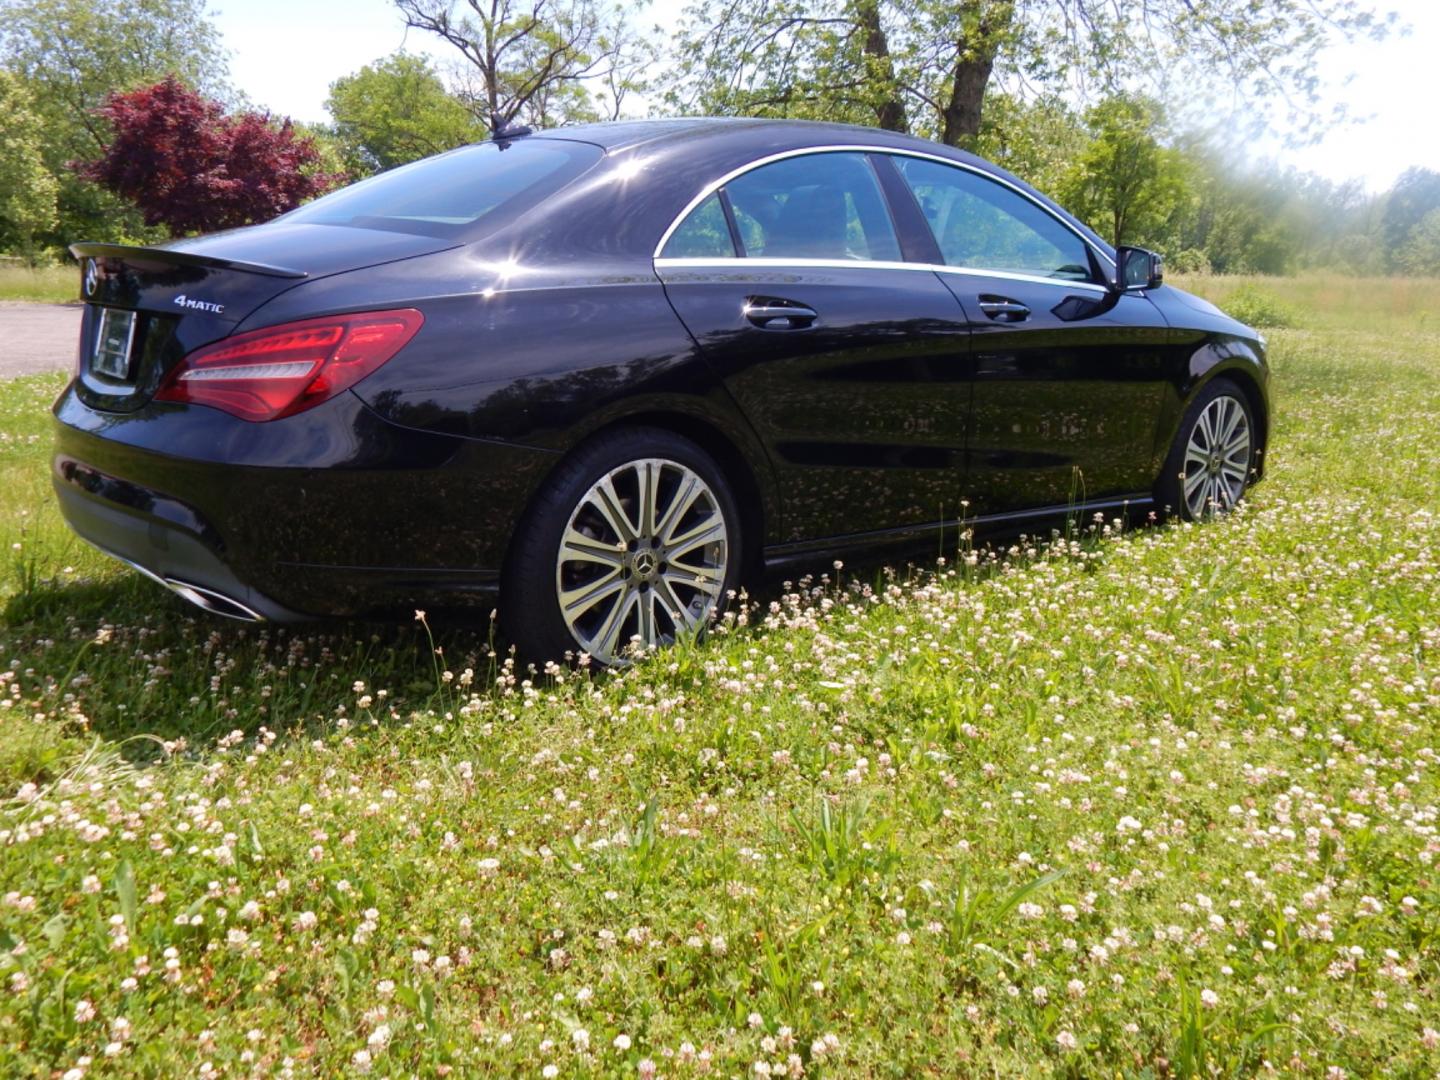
x=183, y=447
x=211, y=437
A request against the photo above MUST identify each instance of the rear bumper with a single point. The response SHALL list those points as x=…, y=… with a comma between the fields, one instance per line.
x=162, y=538
x=334, y=512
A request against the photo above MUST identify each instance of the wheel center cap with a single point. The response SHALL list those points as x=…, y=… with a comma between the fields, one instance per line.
x=1214, y=465
x=645, y=563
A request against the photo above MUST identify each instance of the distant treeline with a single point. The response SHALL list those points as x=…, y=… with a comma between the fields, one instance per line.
x=942, y=69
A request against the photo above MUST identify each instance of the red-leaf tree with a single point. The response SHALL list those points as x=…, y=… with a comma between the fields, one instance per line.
x=191, y=168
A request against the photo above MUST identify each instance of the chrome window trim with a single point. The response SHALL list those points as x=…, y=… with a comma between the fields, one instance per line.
x=844, y=148
x=735, y=262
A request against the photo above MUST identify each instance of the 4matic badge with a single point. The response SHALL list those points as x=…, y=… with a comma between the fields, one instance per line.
x=198, y=305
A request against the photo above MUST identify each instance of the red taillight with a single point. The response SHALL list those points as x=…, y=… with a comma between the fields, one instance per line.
x=281, y=370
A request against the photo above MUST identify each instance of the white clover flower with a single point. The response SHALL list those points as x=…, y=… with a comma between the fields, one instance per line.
x=622, y=1042
x=1066, y=1040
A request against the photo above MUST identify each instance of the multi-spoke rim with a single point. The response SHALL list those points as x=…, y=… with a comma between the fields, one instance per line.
x=643, y=555
x=1217, y=458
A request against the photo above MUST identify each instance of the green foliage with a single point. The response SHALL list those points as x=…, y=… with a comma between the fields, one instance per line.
x=1189, y=261
x=1124, y=183
x=1260, y=309
x=1038, y=141
x=27, y=187
x=53, y=283
x=70, y=55
x=927, y=65
x=1415, y=194
x=1420, y=253
x=397, y=110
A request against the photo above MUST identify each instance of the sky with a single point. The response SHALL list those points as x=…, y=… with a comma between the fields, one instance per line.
x=284, y=54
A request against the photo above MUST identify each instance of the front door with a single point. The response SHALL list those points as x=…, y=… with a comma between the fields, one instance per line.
x=1070, y=377
x=851, y=365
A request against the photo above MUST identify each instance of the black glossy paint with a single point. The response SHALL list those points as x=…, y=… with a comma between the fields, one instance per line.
x=870, y=427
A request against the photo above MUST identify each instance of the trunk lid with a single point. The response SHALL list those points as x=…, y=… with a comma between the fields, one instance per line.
x=146, y=307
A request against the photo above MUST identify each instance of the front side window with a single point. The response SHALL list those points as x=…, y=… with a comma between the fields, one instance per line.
x=984, y=225
x=819, y=206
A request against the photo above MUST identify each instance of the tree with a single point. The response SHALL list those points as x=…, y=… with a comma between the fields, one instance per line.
x=1421, y=253
x=72, y=54
x=1038, y=141
x=827, y=60
x=397, y=110
x=1125, y=184
x=188, y=166
x=927, y=65
x=1408, y=203
x=27, y=188
x=537, y=61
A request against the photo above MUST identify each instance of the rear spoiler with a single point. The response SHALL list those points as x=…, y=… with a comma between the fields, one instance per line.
x=88, y=250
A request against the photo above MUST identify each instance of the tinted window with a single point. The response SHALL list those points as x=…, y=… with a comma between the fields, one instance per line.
x=703, y=234
x=448, y=194
x=982, y=224
x=821, y=206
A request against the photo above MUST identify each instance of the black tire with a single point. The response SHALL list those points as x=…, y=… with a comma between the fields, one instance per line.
x=1174, y=496
x=530, y=608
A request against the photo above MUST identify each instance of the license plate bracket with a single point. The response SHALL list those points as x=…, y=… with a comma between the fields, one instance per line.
x=114, y=338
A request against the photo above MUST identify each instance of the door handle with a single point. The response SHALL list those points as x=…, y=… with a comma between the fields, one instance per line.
x=781, y=315
x=1003, y=309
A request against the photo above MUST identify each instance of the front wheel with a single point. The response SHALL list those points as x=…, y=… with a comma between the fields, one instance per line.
x=1210, y=461
x=633, y=542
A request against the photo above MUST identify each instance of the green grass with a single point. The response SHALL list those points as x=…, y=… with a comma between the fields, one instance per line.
x=1145, y=804
x=45, y=284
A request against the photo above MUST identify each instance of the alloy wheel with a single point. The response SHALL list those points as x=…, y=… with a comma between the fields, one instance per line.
x=643, y=556
x=1217, y=458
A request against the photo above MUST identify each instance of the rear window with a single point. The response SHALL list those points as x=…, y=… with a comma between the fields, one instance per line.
x=448, y=195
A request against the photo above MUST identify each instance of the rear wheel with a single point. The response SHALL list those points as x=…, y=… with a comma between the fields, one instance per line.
x=1209, y=465
x=634, y=541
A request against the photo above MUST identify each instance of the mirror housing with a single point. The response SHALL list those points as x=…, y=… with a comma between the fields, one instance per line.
x=1138, y=268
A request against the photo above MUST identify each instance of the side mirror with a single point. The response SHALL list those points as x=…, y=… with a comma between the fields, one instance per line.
x=1137, y=268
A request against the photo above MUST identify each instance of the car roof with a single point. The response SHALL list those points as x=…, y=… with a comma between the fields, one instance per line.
x=626, y=134
x=689, y=151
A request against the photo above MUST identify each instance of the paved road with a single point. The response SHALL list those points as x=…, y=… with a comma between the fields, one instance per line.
x=37, y=337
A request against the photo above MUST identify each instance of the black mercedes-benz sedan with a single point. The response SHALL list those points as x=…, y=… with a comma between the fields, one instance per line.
x=598, y=374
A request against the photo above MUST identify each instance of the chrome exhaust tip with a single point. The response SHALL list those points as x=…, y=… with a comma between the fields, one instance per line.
x=212, y=601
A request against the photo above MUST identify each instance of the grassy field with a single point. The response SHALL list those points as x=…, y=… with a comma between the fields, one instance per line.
x=47, y=284
x=1143, y=803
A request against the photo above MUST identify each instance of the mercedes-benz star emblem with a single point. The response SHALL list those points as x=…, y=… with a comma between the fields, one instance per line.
x=92, y=277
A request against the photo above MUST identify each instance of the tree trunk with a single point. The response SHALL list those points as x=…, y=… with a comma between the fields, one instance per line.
x=975, y=54
x=889, y=113
x=961, y=113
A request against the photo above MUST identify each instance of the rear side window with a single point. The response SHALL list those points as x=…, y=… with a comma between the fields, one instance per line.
x=704, y=234
x=984, y=225
x=819, y=206
x=450, y=194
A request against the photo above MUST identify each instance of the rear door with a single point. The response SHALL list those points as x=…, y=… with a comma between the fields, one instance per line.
x=849, y=362
x=1070, y=378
